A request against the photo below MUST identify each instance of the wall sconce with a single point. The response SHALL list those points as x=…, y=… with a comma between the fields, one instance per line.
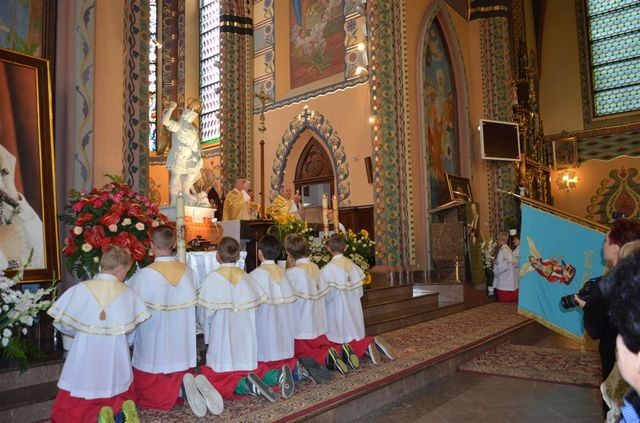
x=567, y=180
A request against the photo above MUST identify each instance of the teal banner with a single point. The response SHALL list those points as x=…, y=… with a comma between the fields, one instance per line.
x=556, y=257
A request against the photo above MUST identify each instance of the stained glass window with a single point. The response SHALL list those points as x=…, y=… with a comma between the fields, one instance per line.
x=614, y=35
x=210, y=71
x=153, y=75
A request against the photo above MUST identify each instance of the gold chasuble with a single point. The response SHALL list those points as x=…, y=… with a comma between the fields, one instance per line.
x=280, y=206
x=235, y=206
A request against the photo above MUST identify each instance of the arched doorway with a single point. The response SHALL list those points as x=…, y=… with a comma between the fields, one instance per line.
x=314, y=177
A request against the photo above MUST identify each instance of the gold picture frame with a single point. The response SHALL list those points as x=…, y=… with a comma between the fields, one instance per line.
x=27, y=166
x=459, y=188
x=565, y=153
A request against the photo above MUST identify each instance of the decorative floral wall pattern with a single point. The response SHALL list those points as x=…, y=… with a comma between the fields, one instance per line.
x=620, y=193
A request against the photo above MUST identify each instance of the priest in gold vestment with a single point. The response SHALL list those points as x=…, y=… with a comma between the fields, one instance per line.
x=283, y=204
x=236, y=204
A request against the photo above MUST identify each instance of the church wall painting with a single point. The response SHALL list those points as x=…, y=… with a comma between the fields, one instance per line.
x=440, y=118
x=316, y=40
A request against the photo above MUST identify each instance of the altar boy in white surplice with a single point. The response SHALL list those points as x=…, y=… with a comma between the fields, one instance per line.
x=229, y=298
x=345, y=320
x=98, y=314
x=274, y=318
x=164, y=348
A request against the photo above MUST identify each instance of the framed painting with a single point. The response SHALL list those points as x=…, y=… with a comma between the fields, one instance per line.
x=29, y=27
x=28, y=221
x=565, y=153
x=459, y=188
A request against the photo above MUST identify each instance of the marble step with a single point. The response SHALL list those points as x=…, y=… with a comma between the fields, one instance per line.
x=28, y=404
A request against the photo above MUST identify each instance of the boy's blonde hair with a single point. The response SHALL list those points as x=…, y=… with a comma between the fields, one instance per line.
x=114, y=256
x=229, y=249
x=296, y=246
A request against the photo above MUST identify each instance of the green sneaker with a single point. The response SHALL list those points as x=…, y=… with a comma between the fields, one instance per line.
x=335, y=363
x=106, y=415
x=350, y=357
x=130, y=412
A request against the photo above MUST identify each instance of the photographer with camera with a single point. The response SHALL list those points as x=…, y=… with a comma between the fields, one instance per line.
x=592, y=301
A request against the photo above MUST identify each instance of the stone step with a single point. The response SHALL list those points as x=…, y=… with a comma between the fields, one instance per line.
x=11, y=378
x=400, y=304
x=397, y=319
x=28, y=405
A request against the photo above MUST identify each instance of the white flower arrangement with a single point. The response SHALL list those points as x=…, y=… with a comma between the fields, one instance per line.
x=488, y=249
x=18, y=313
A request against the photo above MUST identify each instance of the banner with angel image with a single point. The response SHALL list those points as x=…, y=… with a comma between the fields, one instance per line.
x=557, y=256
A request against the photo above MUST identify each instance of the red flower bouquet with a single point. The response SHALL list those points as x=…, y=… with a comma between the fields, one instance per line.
x=113, y=214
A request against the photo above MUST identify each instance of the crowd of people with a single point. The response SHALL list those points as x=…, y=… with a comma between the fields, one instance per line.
x=266, y=329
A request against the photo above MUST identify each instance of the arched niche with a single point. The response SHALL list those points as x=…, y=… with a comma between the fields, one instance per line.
x=307, y=124
x=314, y=174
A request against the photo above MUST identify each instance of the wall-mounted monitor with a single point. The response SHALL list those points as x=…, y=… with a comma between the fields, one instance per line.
x=499, y=140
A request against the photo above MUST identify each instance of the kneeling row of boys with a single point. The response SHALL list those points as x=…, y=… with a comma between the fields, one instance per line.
x=268, y=328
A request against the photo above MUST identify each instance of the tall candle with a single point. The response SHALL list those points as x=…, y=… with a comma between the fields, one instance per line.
x=325, y=214
x=180, y=229
x=336, y=218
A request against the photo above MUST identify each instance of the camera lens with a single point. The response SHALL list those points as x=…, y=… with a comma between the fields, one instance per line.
x=568, y=301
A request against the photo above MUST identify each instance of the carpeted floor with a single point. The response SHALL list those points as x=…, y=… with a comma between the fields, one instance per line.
x=538, y=363
x=415, y=346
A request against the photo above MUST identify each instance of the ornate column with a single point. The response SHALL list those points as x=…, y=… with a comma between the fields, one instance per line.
x=236, y=96
x=388, y=82
x=497, y=79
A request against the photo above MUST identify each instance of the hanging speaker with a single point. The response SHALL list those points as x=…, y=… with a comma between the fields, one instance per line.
x=369, y=168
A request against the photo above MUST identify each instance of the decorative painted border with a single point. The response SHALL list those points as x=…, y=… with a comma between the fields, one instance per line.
x=316, y=123
x=83, y=103
x=135, y=170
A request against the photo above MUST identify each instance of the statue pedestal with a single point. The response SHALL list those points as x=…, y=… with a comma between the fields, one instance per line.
x=197, y=221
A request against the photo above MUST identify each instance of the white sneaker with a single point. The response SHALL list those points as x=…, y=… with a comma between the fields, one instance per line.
x=212, y=397
x=372, y=352
x=384, y=347
x=192, y=395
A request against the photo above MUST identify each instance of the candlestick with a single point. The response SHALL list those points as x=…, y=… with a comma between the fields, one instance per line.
x=180, y=229
x=457, y=270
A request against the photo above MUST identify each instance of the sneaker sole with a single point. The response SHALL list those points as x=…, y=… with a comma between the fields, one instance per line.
x=372, y=351
x=130, y=412
x=288, y=386
x=351, y=358
x=385, y=348
x=338, y=364
x=317, y=373
x=263, y=389
x=194, y=398
x=106, y=415
x=212, y=397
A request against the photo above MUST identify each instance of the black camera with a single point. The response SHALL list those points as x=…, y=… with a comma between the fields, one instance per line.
x=568, y=301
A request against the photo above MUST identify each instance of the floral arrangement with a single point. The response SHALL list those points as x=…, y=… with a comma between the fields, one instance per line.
x=113, y=214
x=288, y=224
x=18, y=313
x=488, y=249
x=360, y=249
